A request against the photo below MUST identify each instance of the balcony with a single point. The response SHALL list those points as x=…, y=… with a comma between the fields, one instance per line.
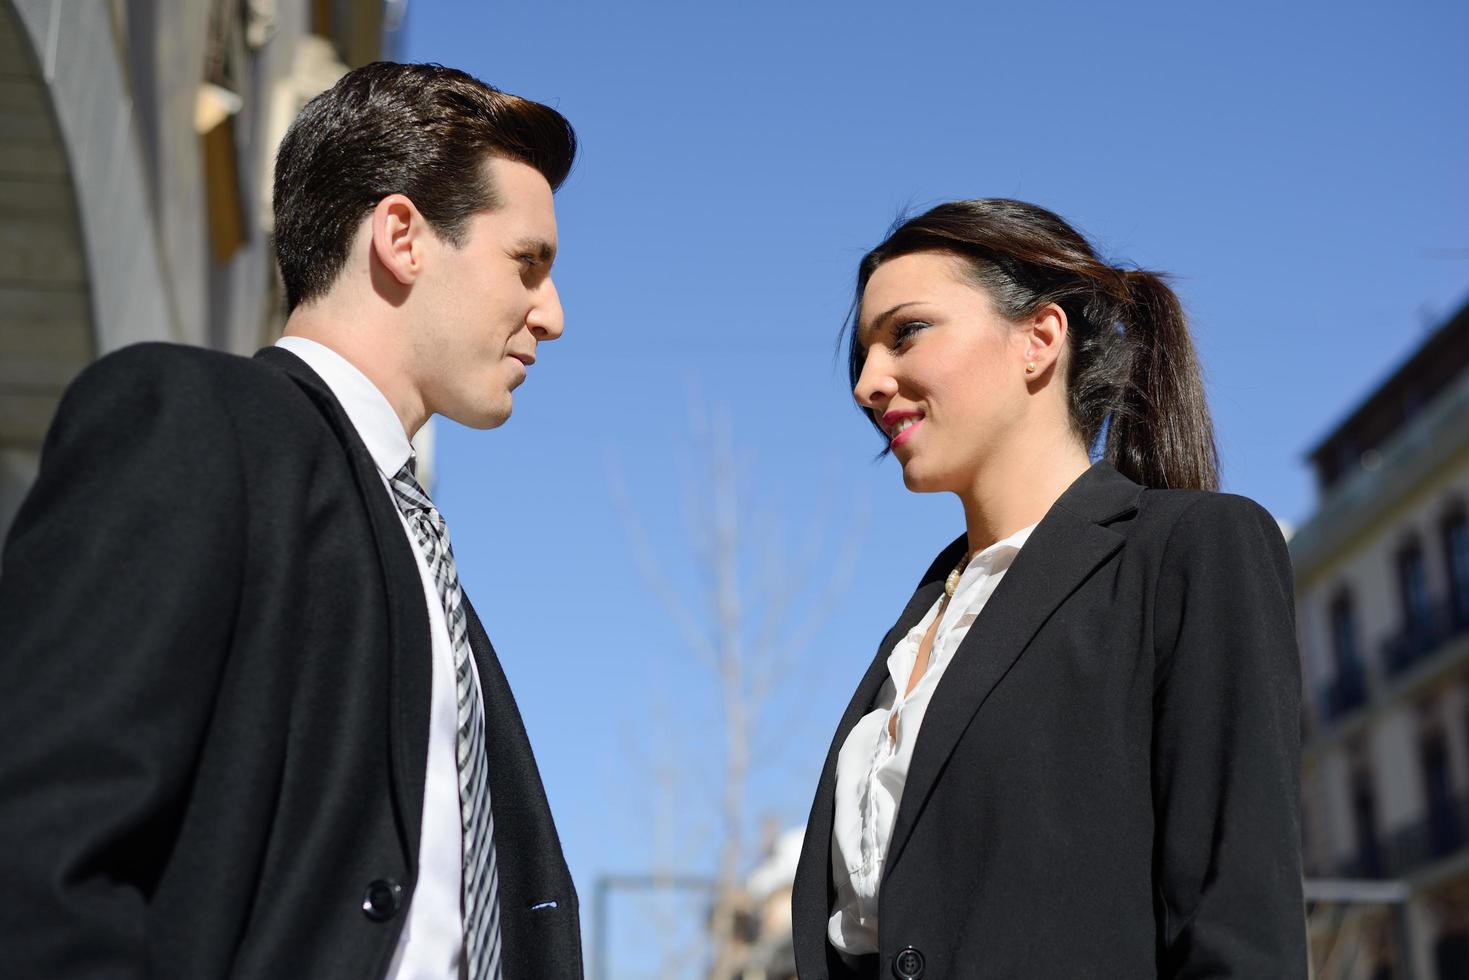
x=1408, y=659
x=1346, y=692
x=1418, y=641
x=1442, y=831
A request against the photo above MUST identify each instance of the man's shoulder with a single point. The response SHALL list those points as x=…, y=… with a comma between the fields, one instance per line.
x=172, y=377
x=182, y=364
x=193, y=394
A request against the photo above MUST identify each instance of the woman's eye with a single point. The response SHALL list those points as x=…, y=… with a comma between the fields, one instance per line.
x=903, y=332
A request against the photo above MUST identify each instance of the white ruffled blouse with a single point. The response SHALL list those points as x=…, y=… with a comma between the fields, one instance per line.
x=872, y=767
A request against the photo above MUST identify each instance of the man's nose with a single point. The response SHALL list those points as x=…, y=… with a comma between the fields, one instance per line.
x=546, y=318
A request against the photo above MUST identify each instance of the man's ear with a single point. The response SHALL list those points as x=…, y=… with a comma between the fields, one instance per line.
x=398, y=238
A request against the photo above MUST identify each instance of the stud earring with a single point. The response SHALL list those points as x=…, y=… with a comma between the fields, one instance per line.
x=1030, y=367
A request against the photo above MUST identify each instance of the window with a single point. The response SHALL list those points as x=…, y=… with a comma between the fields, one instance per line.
x=1443, y=822
x=1456, y=558
x=1413, y=589
x=217, y=101
x=1347, y=689
x=1344, y=635
x=1451, y=955
x=1364, y=820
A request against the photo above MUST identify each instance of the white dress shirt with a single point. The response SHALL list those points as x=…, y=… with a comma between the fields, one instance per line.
x=872, y=767
x=432, y=942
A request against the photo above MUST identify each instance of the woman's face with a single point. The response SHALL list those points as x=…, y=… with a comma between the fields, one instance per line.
x=944, y=374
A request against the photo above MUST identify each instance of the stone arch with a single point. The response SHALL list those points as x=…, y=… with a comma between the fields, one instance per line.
x=46, y=333
x=80, y=269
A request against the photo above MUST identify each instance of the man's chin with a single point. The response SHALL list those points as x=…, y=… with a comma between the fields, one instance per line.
x=482, y=418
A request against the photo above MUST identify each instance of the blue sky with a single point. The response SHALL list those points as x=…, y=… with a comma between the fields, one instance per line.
x=1299, y=169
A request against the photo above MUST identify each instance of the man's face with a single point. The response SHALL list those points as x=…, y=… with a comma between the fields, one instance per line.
x=489, y=303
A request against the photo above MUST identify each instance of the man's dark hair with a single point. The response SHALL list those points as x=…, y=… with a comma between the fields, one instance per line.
x=423, y=131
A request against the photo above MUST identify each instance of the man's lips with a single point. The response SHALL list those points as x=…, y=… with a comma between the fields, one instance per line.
x=523, y=358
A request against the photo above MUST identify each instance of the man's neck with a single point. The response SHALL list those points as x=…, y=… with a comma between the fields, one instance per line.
x=372, y=347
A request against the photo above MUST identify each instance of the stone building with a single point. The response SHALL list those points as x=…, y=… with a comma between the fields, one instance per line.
x=136, y=145
x=1382, y=599
x=762, y=933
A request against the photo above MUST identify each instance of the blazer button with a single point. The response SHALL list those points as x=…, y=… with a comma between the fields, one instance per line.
x=908, y=965
x=382, y=900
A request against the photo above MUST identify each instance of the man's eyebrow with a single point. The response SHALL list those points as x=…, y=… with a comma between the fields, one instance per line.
x=872, y=325
x=543, y=250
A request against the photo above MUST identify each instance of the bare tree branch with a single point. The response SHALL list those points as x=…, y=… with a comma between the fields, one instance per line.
x=760, y=604
x=682, y=617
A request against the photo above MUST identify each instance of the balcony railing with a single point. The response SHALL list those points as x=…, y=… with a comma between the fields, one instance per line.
x=1442, y=831
x=1416, y=641
x=1347, y=691
x=1444, y=622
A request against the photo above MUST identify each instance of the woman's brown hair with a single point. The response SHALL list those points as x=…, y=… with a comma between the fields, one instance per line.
x=1131, y=368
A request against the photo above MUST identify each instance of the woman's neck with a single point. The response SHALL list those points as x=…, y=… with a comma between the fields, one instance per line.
x=1018, y=492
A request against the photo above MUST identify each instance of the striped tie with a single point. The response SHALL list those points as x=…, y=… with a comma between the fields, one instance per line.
x=481, y=885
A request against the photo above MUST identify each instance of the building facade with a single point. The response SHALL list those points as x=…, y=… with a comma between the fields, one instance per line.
x=762, y=942
x=136, y=148
x=1382, y=601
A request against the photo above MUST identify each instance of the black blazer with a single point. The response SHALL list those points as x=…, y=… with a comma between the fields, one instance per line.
x=1106, y=781
x=215, y=674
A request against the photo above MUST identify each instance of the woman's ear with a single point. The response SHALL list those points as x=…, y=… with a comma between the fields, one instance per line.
x=1045, y=339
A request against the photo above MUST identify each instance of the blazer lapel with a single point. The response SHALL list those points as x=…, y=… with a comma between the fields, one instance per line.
x=877, y=672
x=1066, y=547
x=813, y=872
x=411, y=664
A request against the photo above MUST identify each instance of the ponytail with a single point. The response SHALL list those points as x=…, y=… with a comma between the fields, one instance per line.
x=1131, y=372
x=1160, y=433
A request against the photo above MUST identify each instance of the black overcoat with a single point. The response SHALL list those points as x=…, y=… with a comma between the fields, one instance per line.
x=215, y=677
x=1106, y=781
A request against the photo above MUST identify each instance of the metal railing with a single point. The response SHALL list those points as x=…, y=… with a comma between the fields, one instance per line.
x=1346, y=692
x=1411, y=644
x=1441, y=831
x=1417, y=640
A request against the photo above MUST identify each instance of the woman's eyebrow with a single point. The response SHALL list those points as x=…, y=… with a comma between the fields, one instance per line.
x=877, y=321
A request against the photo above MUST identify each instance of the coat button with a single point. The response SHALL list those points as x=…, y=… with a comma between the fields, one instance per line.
x=382, y=900
x=908, y=965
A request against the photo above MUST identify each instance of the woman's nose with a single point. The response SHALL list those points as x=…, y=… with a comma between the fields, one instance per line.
x=875, y=385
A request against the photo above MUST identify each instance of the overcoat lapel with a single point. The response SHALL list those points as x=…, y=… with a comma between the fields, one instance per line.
x=537, y=899
x=1066, y=547
x=411, y=664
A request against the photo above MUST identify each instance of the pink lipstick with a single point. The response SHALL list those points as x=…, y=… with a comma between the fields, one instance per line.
x=892, y=419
